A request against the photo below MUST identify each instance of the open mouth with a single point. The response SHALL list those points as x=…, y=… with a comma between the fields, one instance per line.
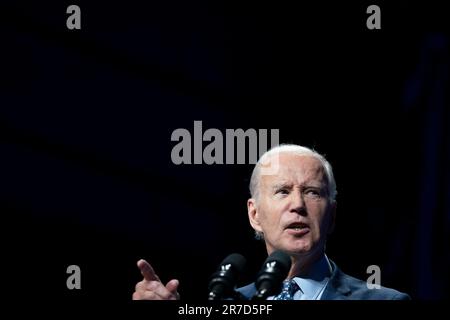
x=297, y=226
x=297, y=229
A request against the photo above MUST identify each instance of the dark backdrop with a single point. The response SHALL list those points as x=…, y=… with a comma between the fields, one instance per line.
x=86, y=119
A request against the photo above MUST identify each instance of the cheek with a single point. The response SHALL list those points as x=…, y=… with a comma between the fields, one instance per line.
x=265, y=210
x=269, y=218
x=320, y=217
x=266, y=219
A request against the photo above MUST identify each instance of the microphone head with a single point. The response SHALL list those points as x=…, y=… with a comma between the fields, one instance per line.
x=274, y=270
x=235, y=260
x=223, y=281
x=281, y=259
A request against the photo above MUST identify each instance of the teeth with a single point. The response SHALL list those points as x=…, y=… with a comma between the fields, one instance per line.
x=297, y=229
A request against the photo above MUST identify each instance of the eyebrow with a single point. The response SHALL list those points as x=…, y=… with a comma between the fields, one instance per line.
x=312, y=186
x=281, y=185
x=289, y=185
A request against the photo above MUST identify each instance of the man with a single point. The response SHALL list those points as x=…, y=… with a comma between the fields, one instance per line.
x=293, y=209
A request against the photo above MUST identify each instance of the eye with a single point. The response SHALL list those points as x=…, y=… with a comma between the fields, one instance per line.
x=282, y=191
x=314, y=193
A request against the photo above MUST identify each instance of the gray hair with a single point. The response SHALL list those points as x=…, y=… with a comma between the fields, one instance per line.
x=298, y=150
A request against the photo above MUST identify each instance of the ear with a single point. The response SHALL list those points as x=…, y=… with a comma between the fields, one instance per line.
x=253, y=215
x=332, y=213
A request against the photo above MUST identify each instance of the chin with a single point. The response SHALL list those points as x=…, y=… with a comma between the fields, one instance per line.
x=298, y=248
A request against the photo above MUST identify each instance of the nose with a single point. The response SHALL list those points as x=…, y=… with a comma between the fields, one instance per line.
x=298, y=203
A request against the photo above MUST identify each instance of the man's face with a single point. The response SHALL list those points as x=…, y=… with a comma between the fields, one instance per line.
x=293, y=210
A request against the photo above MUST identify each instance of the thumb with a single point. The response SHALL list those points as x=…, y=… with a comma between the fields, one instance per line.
x=172, y=285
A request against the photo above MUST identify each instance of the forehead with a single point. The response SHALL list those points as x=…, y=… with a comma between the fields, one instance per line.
x=295, y=169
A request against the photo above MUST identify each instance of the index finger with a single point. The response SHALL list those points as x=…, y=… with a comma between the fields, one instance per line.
x=147, y=271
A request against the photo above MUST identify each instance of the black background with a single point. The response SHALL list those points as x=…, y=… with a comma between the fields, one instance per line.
x=87, y=115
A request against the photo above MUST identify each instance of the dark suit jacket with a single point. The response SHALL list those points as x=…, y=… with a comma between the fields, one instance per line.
x=344, y=287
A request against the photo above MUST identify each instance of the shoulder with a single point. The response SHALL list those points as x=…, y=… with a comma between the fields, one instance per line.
x=343, y=286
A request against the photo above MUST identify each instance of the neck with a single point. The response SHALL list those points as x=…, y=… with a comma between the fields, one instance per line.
x=301, y=264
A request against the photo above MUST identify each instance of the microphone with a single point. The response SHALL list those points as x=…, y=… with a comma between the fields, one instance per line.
x=222, y=282
x=274, y=270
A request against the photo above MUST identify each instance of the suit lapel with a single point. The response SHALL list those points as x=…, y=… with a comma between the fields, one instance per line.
x=336, y=289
